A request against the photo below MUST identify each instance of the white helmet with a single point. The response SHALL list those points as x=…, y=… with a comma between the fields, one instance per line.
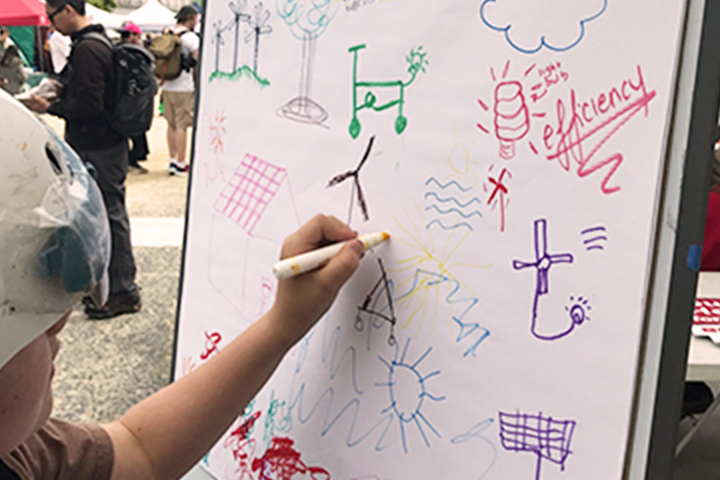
x=54, y=234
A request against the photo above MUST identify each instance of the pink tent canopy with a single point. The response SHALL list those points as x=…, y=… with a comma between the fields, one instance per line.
x=23, y=13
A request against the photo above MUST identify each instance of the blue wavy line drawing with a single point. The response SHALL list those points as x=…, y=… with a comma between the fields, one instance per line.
x=447, y=185
x=448, y=227
x=475, y=432
x=325, y=402
x=452, y=199
x=435, y=279
x=543, y=43
x=331, y=346
x=466, y=328
x=454, y=210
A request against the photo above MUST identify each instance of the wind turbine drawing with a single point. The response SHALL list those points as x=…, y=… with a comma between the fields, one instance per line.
x=240, y=16
x=257, y=23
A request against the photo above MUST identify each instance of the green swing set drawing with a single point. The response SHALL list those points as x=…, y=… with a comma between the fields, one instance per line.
x=416, y=64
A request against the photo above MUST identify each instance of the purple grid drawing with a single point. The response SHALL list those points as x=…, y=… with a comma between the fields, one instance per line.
x=248, y=192
x=547, y=438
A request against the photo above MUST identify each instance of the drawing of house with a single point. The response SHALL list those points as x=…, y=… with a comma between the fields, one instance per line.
x=254, y=212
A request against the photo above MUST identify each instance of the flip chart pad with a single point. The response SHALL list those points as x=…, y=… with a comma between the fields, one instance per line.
x=514, y=150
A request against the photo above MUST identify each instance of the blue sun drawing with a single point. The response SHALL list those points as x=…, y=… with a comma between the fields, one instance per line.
x=578, y=310
x=407, y=388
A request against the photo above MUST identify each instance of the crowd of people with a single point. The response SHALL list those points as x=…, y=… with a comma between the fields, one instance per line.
x=84, y=81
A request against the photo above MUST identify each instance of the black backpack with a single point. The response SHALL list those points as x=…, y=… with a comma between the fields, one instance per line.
x=135, y=86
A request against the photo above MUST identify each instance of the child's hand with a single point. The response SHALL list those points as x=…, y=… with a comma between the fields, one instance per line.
x=302, y=300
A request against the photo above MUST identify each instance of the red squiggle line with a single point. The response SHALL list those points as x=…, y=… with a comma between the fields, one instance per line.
x=616, y=159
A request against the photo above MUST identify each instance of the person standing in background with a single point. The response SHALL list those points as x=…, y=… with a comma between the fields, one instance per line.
x=88, y=87
x=131, y=33
x=179, y=94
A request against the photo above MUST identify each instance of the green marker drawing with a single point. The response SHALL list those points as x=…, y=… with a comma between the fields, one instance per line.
x=241, y=72
x=256, y=24
x=416, y=64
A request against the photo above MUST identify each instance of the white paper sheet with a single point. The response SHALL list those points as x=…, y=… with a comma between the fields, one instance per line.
x=513, y=150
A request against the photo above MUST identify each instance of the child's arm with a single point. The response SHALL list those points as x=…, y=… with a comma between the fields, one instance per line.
x=169, y=432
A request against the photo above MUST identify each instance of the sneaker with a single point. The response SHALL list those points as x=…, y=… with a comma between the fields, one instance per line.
x=177, y=169
x=117, y=304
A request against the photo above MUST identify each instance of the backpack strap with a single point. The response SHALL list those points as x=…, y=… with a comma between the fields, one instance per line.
x=96, y=36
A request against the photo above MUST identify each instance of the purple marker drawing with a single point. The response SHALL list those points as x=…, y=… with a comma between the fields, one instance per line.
x=596, y=238
x=547, y=438
x=543, y=262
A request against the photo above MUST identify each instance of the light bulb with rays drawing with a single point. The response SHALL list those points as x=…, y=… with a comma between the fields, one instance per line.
x=407, y=388
x=578, y=310
x=511, y=112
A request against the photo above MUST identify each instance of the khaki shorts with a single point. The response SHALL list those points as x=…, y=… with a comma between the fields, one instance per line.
x=179, y=109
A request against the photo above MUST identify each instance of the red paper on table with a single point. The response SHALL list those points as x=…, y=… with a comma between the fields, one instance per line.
x=706, y=319
x=707, y=311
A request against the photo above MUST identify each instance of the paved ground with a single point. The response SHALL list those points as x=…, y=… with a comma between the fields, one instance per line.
x=107, y=366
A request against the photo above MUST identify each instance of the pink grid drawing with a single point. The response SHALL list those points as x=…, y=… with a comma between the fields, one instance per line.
x=248, y=192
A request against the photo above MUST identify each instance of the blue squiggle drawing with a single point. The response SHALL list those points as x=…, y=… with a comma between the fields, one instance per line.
x=447, y=185
x=452, y=199
x=507, y=27
x=448, y=227
x=475, y=432
x=326, y=403
x=431, y=279
x=332, y=347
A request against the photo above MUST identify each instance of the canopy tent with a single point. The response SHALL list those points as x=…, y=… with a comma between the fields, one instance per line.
x=23, y=13
x=24, y=39
x=106, y=19
x=152, y=16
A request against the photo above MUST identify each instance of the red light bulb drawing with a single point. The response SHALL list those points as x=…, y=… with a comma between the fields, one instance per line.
x=512, y=120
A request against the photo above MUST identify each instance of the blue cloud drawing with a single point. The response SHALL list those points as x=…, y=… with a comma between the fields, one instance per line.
x=530, y=25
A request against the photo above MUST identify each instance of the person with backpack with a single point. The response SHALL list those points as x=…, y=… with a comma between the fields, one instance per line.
x=87, y=102
x=132, y=34
x=176, y=71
